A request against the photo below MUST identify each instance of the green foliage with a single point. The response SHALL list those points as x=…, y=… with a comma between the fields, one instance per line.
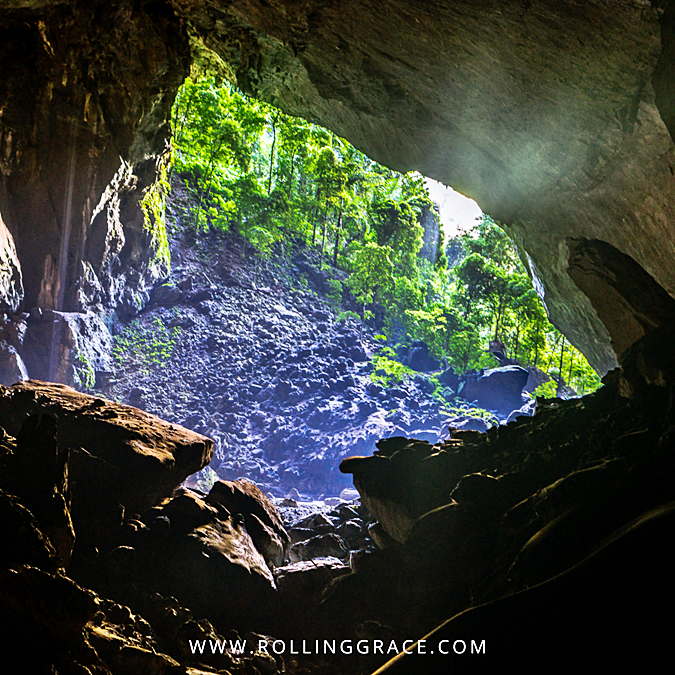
x=145, y=347
x=468, y=410
x=346, y=316
x=335, y=292
x=387, y=371
x=278, y=181
x=372, y=274
x=153, y=204
x=546, y=390
x=83, y=371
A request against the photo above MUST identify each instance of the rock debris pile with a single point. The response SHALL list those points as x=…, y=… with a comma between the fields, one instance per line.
x=284, y=387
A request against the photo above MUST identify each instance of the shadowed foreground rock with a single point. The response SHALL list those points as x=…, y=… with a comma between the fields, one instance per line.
x=554, y=544
x=189, y=549
x=118, y=451
x=549, y=535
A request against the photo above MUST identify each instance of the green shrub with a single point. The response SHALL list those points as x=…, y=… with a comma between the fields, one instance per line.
x=145, y=346
x=394, y=371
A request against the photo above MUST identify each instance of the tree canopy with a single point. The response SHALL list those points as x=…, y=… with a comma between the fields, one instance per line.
x=276, y=179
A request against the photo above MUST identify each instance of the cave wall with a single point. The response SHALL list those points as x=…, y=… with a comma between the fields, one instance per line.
x=85, y=96
x=543, y=111
x=555, y=115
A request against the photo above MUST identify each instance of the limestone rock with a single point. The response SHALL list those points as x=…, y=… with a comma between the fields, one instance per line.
x=544, y=136
x=261, y=517
x=78, y=157
x=24, y=543
x=302, y=583
x=449, y=378
x=420, y=359
x=36, y=472
x=215, y=570
x=626, y=297
x=46, y=609
x=497, y=389
x=12, y=367
x=121, y=455
x=320, y=546
x=527, y=627
x=535, y=378
x=11, y=285
x=67, y=347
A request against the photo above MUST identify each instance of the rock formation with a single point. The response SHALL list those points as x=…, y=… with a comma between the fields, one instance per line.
x=85, y=100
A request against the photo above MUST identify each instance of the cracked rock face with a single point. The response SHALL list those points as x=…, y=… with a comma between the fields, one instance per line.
x=555, y=116
x=84, y=102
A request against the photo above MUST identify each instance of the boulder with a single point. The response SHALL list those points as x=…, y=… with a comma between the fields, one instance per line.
x=497, y=389
x=25, y=544
x=321, y=546
x=166, y=295
x=36, y=471
x=68, y=347
x=449, y=378
x=302, y=583
x=419, y=358
x=526, y=410
x=208, y=561
x=469, y=424
x=535, y=378
x=122, y=458
x=49, y=610
x=12, y=367
x=262, y=519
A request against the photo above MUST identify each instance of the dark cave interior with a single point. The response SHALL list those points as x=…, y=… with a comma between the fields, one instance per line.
x=546, y=536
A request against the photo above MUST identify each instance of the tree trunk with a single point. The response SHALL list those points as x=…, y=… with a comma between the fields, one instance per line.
x=338, y=229
x=560, y=368
x=515, y=351
x=274, y=143
x=316, y=211
x=289, y=189
x=323, y=237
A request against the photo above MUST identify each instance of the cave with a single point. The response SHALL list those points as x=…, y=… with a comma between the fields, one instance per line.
x=555, y=116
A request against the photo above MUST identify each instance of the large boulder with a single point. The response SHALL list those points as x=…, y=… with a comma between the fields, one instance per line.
x=420, y=359
x=497, y=389
x=449, y=378
x=122, y=459
x=261, y=518
x=209, y=562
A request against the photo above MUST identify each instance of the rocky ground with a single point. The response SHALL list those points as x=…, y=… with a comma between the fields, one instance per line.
x=254, y=355
x=550, y=532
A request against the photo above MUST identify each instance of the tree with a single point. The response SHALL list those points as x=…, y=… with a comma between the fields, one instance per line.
x=276, y=179
x=372, y=274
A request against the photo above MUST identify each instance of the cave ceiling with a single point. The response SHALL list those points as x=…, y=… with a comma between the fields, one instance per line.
x=555, y=116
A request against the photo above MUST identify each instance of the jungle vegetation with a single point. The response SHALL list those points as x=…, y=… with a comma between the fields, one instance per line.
x=278, y=180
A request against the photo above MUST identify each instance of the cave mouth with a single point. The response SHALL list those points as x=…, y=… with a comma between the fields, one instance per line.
x=317, y=302
x=576, y=161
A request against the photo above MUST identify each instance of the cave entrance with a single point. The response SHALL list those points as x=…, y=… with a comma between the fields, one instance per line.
x=319, y=301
